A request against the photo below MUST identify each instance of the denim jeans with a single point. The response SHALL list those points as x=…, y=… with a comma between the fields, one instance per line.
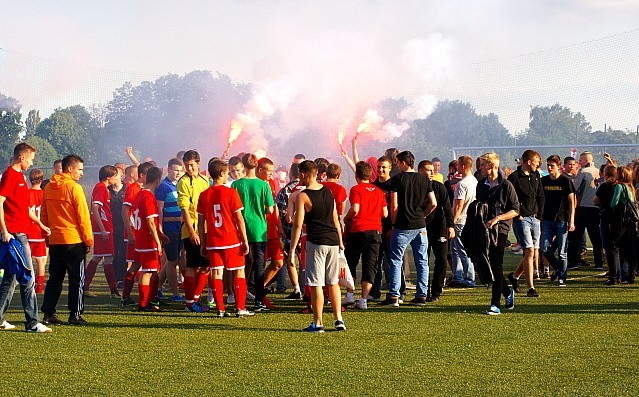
x=463, y=268
x=418, y=240
x=559, y=231
x=27, y=292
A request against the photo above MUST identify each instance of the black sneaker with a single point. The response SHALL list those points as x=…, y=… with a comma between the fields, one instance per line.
x=73, y=320
x=610, y=281
x=392, y=302
x=532, y=293
x=514, y=282
x=150, y=308
x=294, y=295
x=433, y=299
x=418, y=301
x=260, y=307
x=128, y=302
x=553, y=277
x=561, y=283
x=598, y=267
x=51, y=320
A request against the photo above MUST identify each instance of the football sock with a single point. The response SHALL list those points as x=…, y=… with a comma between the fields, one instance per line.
x=189, y=288
x=144, y=291
x=109, y=273
x=218, y=294
x=92, y=267
x=127, y=286
x=239, y=285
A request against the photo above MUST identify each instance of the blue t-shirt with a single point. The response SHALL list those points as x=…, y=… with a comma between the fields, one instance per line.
x=167, y=192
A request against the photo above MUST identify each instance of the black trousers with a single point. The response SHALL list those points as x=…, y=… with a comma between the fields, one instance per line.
x=496, y=257
x=439, y=247
x=622, y=246
x=366, y=245
x=65, y=259
x=586, y=218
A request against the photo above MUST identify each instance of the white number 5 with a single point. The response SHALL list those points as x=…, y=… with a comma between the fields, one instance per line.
x=218, y=215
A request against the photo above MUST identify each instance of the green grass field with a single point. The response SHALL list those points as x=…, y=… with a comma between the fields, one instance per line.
x=579, y=340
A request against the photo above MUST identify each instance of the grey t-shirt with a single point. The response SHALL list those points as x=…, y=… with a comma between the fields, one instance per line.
x=466, y=190
x=585, y=186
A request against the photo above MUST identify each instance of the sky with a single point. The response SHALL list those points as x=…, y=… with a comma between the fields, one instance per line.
x=336, y=59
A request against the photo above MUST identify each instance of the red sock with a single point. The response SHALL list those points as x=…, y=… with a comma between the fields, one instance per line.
x=109, y=273
x=153, y=284
x=127, y=286
x=218, y=294
x=189, y=289
x=201, y=279
x=307, y=291
x=239, y=285
x=39, y=284
x=144, y=292
x=90, y=273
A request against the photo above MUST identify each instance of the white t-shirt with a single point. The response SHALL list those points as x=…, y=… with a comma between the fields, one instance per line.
x=466, y=190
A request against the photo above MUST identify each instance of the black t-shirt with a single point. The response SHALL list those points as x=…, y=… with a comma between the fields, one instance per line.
x=605, y=191
x=556, y=193
x=384, y=186
x=412, y=190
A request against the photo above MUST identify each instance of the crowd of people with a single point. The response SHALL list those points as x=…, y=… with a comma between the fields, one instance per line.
x=239, y=225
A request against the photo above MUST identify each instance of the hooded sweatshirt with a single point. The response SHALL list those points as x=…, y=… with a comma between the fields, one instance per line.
x=65, y=212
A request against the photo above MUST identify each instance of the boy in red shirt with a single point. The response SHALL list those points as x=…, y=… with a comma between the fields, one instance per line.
x=364, y=220
x=333, y=173
x=223, y=235
x=37, y=231
x=102, y=225
x=148, y=236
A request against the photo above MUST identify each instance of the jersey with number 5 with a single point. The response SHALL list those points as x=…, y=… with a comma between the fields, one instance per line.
x=217, y=204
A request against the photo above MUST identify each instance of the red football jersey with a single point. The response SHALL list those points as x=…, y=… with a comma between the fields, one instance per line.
x=35, y=203
x=218, y=204
x=13, y=186
x=339, y=194
x=102, y=197
x=145, y=207
x=130, y=195
x=371, y=202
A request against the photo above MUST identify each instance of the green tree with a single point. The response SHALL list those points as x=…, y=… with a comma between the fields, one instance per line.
x=556, y=125
x=67, y=131
x=10, y=126
x=46, y=153
x=31, y=123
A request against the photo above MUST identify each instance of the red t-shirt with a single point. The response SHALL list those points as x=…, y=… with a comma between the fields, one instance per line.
x=339, y=194
x=371, y=202
x=102, y=197
x=218, y=204
x=13, y=186
x=130, y=194
x=145, y=207
x=35, y=203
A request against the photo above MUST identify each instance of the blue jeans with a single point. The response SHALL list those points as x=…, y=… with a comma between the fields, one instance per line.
x=27, y=292
x=463, y=268
x=418, y=240
x=559, y=231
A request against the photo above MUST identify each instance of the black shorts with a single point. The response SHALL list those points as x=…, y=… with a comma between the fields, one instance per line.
x=193, y=257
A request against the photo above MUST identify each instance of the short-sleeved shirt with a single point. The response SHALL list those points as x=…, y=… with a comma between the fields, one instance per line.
x=144, y=208
x=556, y=192
x=387, y=223
x=256, y=196
x=102, y=197
x=272, y=231
x=35, y=204
x=339, y=194
x=466, y=190
x=189, y=189
x=167, y=192
x=218, y=204
x=13, y=186
x=412, y=190
x=371, y=202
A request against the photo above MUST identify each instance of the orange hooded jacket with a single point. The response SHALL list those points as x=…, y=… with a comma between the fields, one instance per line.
x=65, y=212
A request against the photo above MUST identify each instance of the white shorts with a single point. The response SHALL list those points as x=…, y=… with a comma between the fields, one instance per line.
x=322, y=264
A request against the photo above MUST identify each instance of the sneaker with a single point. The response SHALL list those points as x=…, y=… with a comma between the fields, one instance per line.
x=115, y=295
x=532, y=293
x=159, y=303
x=244, y=313
x=433, y=299
x=230, y=300
x=128, y=302
x=610, y=281
x=545, y=274
x=260, y=307
x=349, y=299
x=514, y=282
x=294, y=295
x=493, y=311
x=222, y=314
x=51, y=320
x=598, y=267
x=196, y=307
x=40, y=328
x=391, y=302
x=374, y=298
x=561, y=282
x=5, y=326
x=76, y=320
x=312, y=328
x=267, y=302
x=361, y=304
x=418, y=301
x=89, y=294
x=411, y=286
x=572, y=266
x=401, y=298
x=211, y=304
x=553, y=277
x=250, y=296
x=178, y=298
x=149, y=308
x=510, y=300
x=161, y=295
x=339, y=325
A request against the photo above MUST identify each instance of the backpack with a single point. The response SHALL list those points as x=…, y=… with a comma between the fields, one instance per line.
x=626, y=211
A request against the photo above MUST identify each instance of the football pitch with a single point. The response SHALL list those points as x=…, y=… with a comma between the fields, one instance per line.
x=580, y=340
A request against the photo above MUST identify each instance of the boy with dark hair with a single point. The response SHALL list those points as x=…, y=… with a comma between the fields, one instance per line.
x=322, y=167
x=364, y=221
x=37, y=231
x=223, y=235
x=102, y=225
x=315, y=207
x=236, y=168
x=257, y=200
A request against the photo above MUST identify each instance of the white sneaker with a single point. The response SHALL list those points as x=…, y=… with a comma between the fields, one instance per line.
x=244, y=313
x=5, y=326
x=230, y=299
x=40, y=328
x=361, y=304
x=349, y=299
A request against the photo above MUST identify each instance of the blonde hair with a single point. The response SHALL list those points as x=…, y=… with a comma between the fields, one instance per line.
x=491, y=158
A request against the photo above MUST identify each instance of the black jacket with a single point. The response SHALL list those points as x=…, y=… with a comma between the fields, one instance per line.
x=500, y=199
x=529, y=191
x=442, y=217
